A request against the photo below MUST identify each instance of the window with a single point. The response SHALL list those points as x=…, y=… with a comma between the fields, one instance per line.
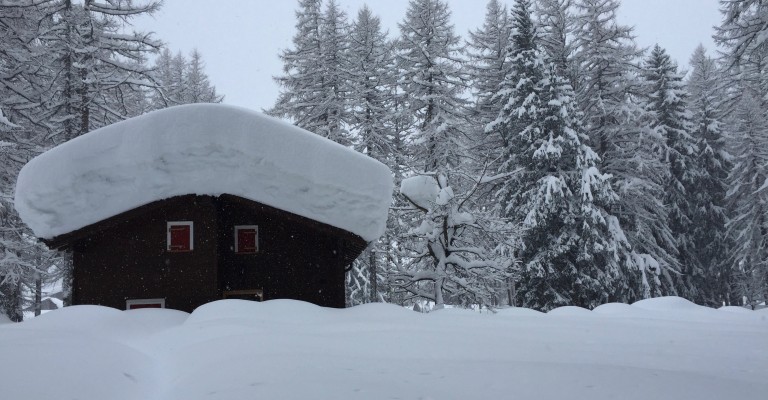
x=180, y=236
x=246, y=239
x=136, y=304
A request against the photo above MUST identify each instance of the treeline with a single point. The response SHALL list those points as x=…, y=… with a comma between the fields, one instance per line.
x=556, y=162
x=66, y=68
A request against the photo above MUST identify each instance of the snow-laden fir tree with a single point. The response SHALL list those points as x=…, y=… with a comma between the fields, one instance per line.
x=431, y=76
x=666, y=103
x=707, y=196
x=629, y=149
x=574, y=252
x=372, y=85
x=313, y=93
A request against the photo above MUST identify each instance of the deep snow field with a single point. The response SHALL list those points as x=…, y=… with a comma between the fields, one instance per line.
x=665, y=348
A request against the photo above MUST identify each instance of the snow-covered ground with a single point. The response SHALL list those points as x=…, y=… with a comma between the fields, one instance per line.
x=664, y=348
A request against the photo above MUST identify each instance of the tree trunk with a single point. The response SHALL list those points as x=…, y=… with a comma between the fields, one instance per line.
x=38, y=293
x=374, y=281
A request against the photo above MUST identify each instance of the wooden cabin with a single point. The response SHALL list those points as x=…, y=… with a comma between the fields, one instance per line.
x=203, y=244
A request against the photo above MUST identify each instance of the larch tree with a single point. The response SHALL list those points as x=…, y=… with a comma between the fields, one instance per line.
x=198, y=85
x=24, y=124
x=486, y=51
x=314, y=87
x=742, y=34
x=431, y=77
x=372, y=84
x=557, y=25
x=747, y=198
x=97, y=64
x=301, y=96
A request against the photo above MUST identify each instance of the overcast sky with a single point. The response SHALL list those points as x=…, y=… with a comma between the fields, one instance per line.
x=240, y=39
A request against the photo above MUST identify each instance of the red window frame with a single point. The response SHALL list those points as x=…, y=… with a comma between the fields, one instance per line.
x=246, y=239
x=180, y=236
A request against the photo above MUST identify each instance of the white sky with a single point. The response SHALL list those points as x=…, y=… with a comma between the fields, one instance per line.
x=240, y=39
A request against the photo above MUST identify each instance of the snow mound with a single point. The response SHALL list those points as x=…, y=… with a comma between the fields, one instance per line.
x=4, y=319
x=244, y=310
x=381, y=311
x=620, y=310
x=569, y=311
x=736, y=309
x=238, y=350
x=518, y=312
x=204, y=149
x=157, y=319
x=668, y=303
x=106, y=321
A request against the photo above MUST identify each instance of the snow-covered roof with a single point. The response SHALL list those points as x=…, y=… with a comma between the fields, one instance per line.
x=205, y=149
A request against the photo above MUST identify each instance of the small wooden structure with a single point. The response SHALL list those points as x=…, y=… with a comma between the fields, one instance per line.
x=191, y=204
x=186, y=251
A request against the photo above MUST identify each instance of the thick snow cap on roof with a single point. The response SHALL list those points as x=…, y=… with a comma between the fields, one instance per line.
x=205, y=149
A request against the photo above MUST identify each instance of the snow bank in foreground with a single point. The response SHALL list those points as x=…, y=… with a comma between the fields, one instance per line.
x=291, y=350
x=206, y=149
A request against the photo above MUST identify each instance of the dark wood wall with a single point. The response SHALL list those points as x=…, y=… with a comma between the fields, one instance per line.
x=298, y=258
x=128, y=260
x=125, y=257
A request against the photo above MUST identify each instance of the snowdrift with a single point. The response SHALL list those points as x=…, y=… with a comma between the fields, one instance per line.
x=656, y=349
x=205, y=149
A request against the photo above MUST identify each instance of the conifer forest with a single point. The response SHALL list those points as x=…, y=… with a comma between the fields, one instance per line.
x=542, y=160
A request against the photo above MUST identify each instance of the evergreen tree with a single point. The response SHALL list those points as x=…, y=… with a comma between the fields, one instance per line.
x=666, y=104
x=574, y=252
x=629, y=149
x=707, y=229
